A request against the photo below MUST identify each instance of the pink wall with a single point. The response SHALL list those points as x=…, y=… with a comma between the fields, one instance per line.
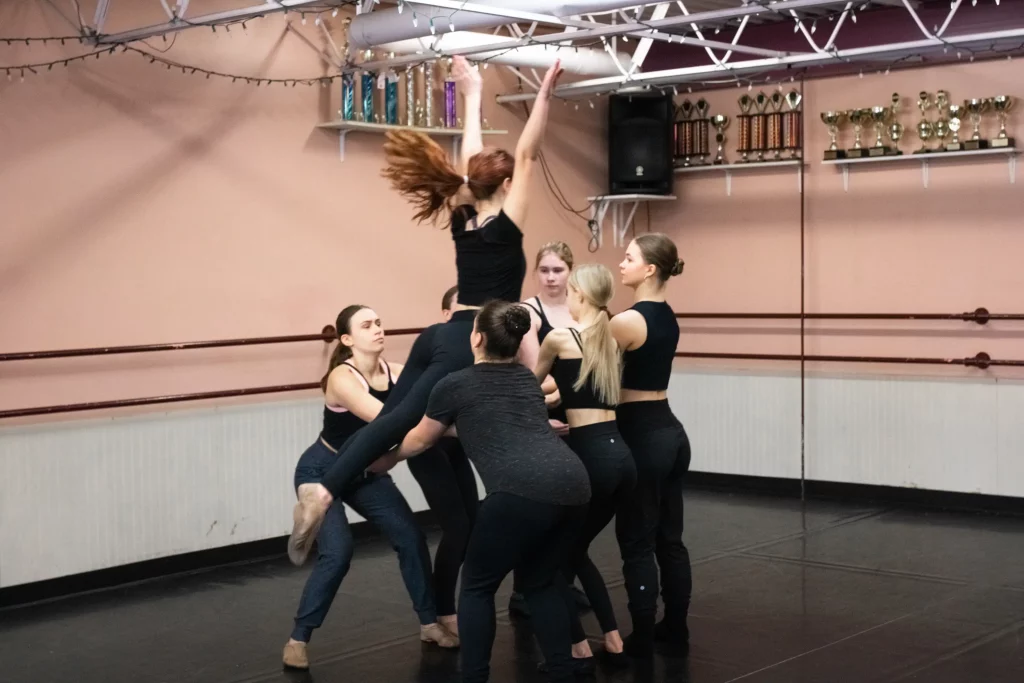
x=142, y=205
x=888, y=245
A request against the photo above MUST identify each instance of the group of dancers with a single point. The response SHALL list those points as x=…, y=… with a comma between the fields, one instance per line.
x=561, y=408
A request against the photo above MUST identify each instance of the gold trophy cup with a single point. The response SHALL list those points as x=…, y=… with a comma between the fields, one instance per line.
x=720, y=122
x=1002, y=104
x=832, y=119
x=956, y=117
x=975, y=108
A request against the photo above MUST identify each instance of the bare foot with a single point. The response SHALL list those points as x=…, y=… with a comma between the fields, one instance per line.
x=307, y=517
x=450, y=622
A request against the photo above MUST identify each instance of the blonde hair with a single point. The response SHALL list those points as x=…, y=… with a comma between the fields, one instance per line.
x=559, y=249
x=602, y=360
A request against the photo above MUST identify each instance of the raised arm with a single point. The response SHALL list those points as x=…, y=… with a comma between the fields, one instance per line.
x=528, y=148
x=468, y=78
x=423, y=436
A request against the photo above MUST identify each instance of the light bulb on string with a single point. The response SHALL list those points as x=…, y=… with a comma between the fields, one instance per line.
x=303, y=18
x=335, y=12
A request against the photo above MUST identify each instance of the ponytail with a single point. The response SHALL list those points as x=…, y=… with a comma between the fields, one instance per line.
x=602, y=360
x=341, y=352
x=421, y=171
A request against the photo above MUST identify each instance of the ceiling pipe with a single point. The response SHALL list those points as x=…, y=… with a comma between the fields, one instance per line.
x=388, y=26
x=584, y=61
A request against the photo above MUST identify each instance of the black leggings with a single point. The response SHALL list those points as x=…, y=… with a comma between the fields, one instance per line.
x=649, y=525
x=449, y=485
x=439, y=351
x=514, y=533
x=612, y=477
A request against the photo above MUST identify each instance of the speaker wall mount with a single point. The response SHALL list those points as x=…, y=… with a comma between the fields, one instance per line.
x=620, y=221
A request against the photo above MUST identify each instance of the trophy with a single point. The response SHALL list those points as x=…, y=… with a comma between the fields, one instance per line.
x=880, y=116
x=924, y=126
x=744, y=147
x=366, y=90
x=391, y=95
x=896, y=134
x=1002, y=104
x=428, y=94
x=701, y=132
x=410, y=96
x=792, y=124
x=832, y=119
x=684, y=139
x=858, y=117
x=759, y=140
x=975, y=108
x=774, y=127
x=956, y=115
x=720, y=122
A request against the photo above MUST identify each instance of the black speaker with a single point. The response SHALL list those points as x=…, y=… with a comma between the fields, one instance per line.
x=640, y=144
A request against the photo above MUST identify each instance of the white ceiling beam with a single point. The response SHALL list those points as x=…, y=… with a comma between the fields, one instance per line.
x=670, y=77
x=270, y=7
x=642, y=31
x=640, y=54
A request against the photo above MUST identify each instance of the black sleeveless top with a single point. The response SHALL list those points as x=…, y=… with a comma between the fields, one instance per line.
x=545, y=324
x=341, y=423
x=649, y=367
x=566, y=371
x=558, y=412
x=489, y=260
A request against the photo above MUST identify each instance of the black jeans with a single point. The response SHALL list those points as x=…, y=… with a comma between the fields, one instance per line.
x=649, y=526
x=442, y=349
x=449, y=485
x=612, y=478
x=378, y=500
x=513, y=533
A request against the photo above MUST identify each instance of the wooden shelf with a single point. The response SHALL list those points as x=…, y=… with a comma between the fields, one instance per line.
x=345, y=127
x=1008, y=153
x=729, y=169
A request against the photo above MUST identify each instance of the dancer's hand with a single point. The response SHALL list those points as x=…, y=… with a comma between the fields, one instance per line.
x=550, y=80
x=468, y=75
x=560, y=427
x=553, y=400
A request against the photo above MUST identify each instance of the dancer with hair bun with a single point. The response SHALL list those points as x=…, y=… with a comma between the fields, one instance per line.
x=489, y=259
x=649, y=526
x=537, y=491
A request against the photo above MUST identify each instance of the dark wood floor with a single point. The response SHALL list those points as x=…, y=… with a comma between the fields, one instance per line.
x=824, y=592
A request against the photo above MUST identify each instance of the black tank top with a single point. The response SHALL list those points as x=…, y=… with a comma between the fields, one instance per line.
x=649, y=367
x=341, y=423
x=489, y=260
x=545, y=324
x=566, y=371
x=558, y=412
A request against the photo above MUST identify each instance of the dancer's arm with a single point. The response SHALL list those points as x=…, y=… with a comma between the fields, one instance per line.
x=423, y=436
x=549, y=352
x=344, y=389
x=528, y=148
x=629, y=329
x=468, y=77
x=471, y=84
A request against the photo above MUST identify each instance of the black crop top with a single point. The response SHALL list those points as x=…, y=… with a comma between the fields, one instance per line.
x=341, y=423
x=566, y=371
x=648, y=367
x=489, y=260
